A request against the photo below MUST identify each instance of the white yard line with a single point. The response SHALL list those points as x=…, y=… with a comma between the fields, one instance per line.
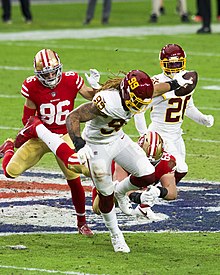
x=44, y=270
x=103, y=32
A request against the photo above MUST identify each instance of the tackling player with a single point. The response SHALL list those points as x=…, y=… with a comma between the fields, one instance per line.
x=50, y=95
x=168, y=110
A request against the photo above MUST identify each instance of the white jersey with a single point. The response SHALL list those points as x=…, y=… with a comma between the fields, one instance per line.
x=167, y=114
x=105, y=129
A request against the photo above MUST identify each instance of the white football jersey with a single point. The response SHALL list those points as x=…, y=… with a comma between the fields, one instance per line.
x=167, y=113
x=105, y=129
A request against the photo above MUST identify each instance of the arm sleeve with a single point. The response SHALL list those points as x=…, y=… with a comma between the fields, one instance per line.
x=140, y=123
x=27, y=113
x=193, y=113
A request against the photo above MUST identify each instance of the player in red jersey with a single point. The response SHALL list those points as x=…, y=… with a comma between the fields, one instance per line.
x=50, y=95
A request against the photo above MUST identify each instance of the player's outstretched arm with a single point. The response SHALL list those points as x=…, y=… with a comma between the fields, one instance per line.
x=173, y=85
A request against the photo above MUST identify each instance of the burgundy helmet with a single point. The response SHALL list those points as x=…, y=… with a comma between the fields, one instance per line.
x=172, y=59
x=136, y=90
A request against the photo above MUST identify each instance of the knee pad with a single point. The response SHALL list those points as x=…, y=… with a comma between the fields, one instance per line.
x=102, y=177
x=99, y=170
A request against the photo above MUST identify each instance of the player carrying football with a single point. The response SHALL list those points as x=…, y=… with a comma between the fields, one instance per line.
x=168, y=111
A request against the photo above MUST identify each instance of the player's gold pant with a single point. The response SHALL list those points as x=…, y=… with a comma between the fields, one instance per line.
x=31, y=152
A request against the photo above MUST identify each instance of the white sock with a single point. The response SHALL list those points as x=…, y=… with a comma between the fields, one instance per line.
x=52, y=140
x=111, y=221
x=125, y=185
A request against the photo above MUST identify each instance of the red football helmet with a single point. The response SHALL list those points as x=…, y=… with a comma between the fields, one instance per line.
x=136, y=90
x=172, y=59
x=152, y=144
x=48, y=68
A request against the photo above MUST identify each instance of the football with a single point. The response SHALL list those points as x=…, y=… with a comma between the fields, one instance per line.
x=190, y=87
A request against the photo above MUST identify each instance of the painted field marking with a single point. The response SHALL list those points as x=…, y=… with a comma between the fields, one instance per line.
x=45, y=270
x=43, y=207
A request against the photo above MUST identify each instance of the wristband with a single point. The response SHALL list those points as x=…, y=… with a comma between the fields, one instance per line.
x=173, y=84
x=135, y=197
x=78, y=143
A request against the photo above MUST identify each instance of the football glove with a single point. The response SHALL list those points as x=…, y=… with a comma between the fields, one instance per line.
x=180, y=80
x=85, y=154
x=150, y=195
x=93, y=79
x=208, y=120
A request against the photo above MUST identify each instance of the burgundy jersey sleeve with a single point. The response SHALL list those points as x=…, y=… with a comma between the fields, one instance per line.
x=166, y=165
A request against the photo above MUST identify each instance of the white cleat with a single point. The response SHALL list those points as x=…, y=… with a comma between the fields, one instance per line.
x=124, y=203
x=119, y=243
x=144, y=211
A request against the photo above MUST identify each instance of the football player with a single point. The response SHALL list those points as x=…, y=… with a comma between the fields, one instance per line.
x=168, y=110
x=104, y=140
x=164, y=185
x=50, y=94
x=111, y=108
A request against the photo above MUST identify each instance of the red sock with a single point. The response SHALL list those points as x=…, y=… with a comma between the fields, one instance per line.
x=7, y=157
x=64, y=152
x=78, y=199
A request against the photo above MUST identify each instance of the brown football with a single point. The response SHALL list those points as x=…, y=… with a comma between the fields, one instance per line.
x=190, y=87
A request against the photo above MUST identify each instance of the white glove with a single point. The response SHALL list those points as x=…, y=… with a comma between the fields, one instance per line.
x=181, y=81
x=208, y=120
x=150, y=195
x=93, y=79
x=85, y=154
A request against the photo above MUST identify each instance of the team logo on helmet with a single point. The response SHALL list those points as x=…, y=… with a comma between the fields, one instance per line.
x=48, y=68
x=172, y=59
x=136, y=90
x=152, y=144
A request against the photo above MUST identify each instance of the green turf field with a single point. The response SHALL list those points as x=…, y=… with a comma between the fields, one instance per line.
x=111, y=55
x=152, y=254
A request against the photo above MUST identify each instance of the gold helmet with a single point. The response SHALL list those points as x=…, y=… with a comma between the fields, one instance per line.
x=172, y=59
x=152, y=144
x=48, y=68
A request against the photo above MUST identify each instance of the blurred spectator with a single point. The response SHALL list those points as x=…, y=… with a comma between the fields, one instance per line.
x=198, y=16
x=205, y=6
x=25, y=9
x=159, y=9
x=218, y=10
x=106, y=10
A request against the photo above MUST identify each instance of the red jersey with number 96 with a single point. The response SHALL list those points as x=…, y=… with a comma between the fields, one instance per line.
x=53, y=105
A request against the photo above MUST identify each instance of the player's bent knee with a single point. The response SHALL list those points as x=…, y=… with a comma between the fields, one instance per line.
x=106, y=203
x=14, y=170
x=99, y=170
